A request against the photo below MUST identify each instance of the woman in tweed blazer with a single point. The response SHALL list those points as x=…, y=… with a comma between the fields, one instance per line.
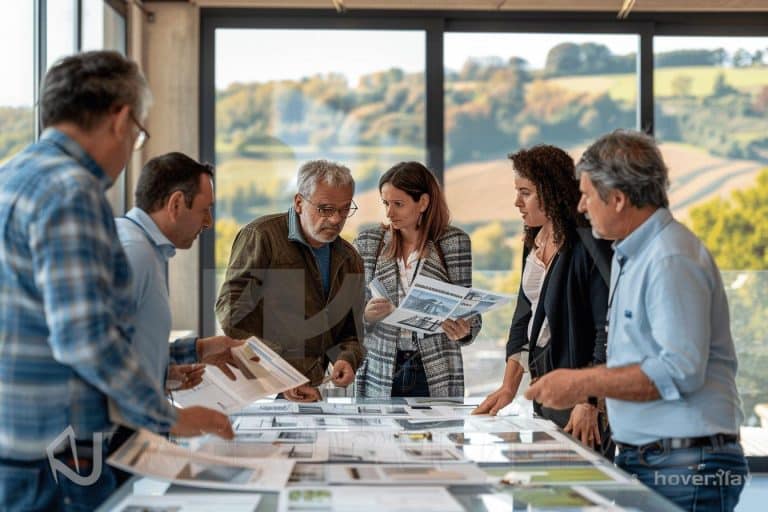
x=417, y=241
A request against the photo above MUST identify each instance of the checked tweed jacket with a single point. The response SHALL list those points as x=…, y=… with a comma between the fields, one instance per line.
x=441, y=357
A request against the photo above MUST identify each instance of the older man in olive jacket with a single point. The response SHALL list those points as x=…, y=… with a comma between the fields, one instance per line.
x=294, y=283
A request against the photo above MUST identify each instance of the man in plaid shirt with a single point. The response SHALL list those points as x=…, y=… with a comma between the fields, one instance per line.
x=65, y=290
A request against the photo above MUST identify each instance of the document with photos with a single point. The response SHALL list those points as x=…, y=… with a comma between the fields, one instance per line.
x=429, y=302
x=197, y=502
x=410, y=474
x=151, y=455
x=270, y=375
x=370, y=499
x=298, y=445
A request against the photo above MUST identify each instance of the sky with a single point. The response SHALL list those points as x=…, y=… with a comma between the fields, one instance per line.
x=245, y=55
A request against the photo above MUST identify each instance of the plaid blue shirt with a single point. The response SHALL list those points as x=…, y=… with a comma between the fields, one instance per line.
x=65, y=305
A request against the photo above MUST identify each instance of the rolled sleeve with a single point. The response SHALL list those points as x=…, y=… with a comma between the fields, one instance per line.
x=184, y=350
x=657, y=373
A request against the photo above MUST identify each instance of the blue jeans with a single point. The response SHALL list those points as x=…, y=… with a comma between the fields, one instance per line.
x=700, y=479
x=409, y=378
x=29, y=486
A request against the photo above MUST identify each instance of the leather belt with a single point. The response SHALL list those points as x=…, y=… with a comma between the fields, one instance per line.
x=679, y=443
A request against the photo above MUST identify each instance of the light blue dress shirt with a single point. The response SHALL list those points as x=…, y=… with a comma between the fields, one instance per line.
x=148, y=251
x=668, y=312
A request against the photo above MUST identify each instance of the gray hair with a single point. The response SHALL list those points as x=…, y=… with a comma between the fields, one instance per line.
x=316, y=171
x=631, y=162
x=84, y=87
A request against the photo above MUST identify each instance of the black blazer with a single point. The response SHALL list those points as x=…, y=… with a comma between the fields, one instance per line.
x=574, y=297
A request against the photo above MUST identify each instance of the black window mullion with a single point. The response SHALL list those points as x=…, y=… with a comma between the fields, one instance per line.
x=435, y=99
x=645, y=105
x=40, y=52
x=207, y=145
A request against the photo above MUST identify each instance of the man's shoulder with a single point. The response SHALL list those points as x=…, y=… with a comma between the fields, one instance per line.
x=48, y=171
x=677, y=239
x=268, y=223
x=135, y=243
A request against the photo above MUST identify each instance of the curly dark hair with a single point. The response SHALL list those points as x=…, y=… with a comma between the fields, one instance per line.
x=552, y=172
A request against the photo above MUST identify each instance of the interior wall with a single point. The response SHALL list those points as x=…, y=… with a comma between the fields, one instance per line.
x=170, y=53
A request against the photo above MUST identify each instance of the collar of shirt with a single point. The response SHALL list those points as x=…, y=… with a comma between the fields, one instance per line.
x=73, y=149
x=642, y=235
x=294, y=229
x=157, y=237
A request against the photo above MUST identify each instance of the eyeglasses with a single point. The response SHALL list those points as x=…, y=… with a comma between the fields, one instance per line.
x=143, y=134
x=326, y=210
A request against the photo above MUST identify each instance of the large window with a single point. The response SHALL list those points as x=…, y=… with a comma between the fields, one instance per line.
x=17, y=118
x=461, y=91
x=508, y=91
x=355, y=96
x=711, y=98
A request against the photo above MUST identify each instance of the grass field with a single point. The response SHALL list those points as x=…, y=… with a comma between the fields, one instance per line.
x=623, y=87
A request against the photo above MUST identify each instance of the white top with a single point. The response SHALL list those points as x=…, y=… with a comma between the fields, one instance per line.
x=533, y=279
x=405, y=271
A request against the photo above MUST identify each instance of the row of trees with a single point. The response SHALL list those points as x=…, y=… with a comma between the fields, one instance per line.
x=567, y=59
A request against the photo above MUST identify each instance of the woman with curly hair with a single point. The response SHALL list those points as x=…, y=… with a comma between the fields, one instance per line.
x=560, y=318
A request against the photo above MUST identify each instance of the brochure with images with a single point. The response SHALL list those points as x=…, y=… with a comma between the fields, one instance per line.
x=198, y=502
x=370, y=499
x=151, y=455
x=270, y=375
x=429, y=302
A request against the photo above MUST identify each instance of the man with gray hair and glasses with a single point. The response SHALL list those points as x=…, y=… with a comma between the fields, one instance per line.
x=294, y=283
x=671, y=366
x=66, y=307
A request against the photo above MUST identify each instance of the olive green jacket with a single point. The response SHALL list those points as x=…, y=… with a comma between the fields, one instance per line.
x=273, y=290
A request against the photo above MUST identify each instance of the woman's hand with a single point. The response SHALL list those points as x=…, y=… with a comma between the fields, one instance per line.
x=377, y=308
x=456, y=329
x=583, y=426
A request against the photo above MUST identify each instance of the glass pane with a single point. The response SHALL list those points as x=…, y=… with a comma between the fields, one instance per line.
x=352, y=96
x=59, y=30
x=114, y=30
x=92, y=25
x=711, y=101
x=508, y=91
x=17, y=92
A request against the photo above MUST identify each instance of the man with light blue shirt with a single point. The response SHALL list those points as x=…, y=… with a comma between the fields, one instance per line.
x=174, y=199
x=671, y=368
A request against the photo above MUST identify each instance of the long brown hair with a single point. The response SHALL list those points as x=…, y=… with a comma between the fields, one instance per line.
x=415, y=179
x=552, y=172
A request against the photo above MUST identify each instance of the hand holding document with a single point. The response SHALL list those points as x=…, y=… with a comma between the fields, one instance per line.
x=429, y=302
x=270, y=375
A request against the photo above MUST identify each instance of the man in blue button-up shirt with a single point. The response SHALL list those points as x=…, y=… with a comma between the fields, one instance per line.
x=174, y=202
x=671, y=367
x=65, y=306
